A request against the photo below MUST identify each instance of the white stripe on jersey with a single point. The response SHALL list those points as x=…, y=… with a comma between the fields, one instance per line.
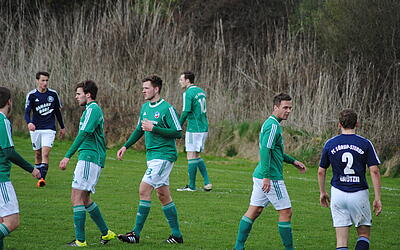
x=372, y=146
x=155, y=105
x=58, y=97
x=8, y=129
x=87, y=116
x=272, y=136
x=27, y=97
x=184, y=101
x=175, y=118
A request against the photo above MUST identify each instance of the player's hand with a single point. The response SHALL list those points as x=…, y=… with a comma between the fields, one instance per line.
x=121, y=152
x=36, y=173
x=147, y=125
x=31, y=126
x=377, y=207
x=324, y=199
x=266, y=185
x=300, y=166
x=62, y=133
x=63, y=163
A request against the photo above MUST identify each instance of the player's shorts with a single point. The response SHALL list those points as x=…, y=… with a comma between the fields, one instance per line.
x=86, y=175
x=277, y=195
x=194, y=142
x=348, y=208
x=157, y=173
x=42, y=138
x=8, y=199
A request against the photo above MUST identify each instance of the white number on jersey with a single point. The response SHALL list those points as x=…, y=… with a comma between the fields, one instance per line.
x=203, y=105
x=348, y=157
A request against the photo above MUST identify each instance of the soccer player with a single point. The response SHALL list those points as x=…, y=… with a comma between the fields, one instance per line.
x=9, y=210
x=159, y=124
x=268, y=184
x=92, y=154
x=195, y=111
x=44, y=104
x=350, y=154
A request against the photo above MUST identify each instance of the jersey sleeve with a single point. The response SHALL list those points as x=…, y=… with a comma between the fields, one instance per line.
x=324, y=162
x=172, y=120
x=372, y=156
x=137, y=133
x=6, y=141
x=267, y=142
x=92, y=117
x=187, y=102
x=28, y=108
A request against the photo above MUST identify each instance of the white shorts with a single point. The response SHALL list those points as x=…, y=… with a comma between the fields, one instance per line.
x=348, y=208
x=42, y=138
x=277, y=195
x=8, y=199
x=86, y=175
x=194, y=142
x=157, y=173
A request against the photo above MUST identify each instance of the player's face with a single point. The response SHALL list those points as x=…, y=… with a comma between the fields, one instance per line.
x=283, y=110
x=149, y=92
x=183, y=82
x=81, y=97
x=42, y=83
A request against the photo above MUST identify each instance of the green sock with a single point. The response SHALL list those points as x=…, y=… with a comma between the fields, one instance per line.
x=141, y=216
x=95, y=214
x=79, y=222
x=203, y=171
x=172, y=216
x=192, y=171
x=244, y=229
x=285, y=230
x=4, y=231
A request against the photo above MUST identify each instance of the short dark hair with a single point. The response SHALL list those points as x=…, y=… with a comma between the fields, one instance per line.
x=155, y=81
x=348, y=118
x=5, y=95
x=189, y=75
x=42, y=73
x=281, y=97
x=88, y=86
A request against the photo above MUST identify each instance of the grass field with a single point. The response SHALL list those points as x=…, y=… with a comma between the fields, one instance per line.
x=208, y=220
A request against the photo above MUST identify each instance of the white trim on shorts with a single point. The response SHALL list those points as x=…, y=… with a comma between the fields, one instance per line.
x=195, y=142
x=42, y=138
x=348, y=208
x=8, y=199
x=157, y=173
x=277, y=195
x=86, y=176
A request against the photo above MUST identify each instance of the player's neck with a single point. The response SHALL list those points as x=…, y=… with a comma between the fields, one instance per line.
x=42, y=90
x=156, y=98
x=5, y=110
x=347, y=131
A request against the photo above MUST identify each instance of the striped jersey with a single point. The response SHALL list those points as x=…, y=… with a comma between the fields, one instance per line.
x=271, y=151
x=349, y=155
x=91, y=128
x=6, y=141
x=163, y=115
x=45, y=107
x=194, y=102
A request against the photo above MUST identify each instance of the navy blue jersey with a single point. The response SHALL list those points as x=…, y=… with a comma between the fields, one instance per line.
x=45, y=107
x=349, y=155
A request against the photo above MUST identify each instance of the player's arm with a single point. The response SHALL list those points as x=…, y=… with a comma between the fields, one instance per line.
x=376, y=181
x=17, y=159
x=174, y=129
x=186, y=109
x=133, y=138
x=27, y=115
x=323, y=195
x=299, y=165
x=77, y=143
x=183, y=117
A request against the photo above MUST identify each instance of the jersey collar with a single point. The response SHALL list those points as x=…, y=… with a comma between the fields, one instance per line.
x=3, y=114
x=90, y=103
x=276, y=118
x=155, y=104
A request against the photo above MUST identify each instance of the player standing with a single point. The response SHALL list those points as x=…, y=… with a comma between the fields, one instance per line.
x=195, y=111
x=268, y=184
x=159, y=124
x=45, y=104
x=91, y=145
x=9, y=210
x=350, y=154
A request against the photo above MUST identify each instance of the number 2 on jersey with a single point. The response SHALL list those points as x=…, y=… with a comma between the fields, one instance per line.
x=348, y=157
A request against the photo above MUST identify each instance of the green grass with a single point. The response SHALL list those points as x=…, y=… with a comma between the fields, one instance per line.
x=208, y=220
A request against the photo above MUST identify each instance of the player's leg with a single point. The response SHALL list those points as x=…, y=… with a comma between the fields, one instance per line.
x=77, y=199
x=363, y=237
x=342, y=237
x=192, y=169
x=200, y=142
x=9, y=210
x=341, y=216
x=8, y=224
x=47, y=140
x=285, y=227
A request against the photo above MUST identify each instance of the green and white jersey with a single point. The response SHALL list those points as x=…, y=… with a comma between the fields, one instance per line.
x=6, y=141
x=163, y=115
x=90, y=141
x=194, y=102
x=271, y=151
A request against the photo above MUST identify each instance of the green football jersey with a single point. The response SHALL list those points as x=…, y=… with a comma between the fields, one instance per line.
x=90, y=141
x=162, y=115
x=194, y=102
x=6, y=141
x=271, y=151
